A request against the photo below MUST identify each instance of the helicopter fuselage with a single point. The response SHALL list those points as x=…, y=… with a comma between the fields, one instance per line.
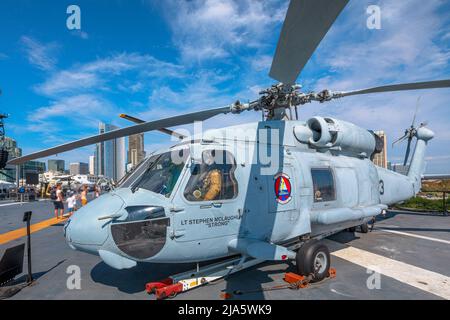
x=277, y=184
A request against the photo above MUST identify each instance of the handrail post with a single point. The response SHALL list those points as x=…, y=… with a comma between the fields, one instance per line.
x=444, y=206
x=27, y=219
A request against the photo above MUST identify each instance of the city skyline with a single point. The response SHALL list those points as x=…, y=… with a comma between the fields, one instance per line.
x=115, y=167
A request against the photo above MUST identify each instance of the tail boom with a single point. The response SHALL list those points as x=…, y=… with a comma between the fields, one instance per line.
x=395, y=187
x=417, y=165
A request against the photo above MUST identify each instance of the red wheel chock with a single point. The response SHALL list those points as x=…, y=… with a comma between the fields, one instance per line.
x=164, y=288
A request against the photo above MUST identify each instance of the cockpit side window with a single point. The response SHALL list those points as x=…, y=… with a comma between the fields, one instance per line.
x=213, y=178
x=323, y=182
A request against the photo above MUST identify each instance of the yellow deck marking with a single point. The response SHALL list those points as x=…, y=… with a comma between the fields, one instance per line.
x=22, y=232
x=422, y=279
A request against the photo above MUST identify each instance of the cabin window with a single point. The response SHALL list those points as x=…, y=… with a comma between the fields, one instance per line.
x=323, y=183
x=213, y=178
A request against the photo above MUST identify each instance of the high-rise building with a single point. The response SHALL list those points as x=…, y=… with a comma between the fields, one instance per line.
x=79, y=168
x=110, y=155
x=11, y=146
x=31, y=170
x=92, y=165
x=56, y=165
x=9, y=172
x=380, y=159
x=136, y=151
x=27, y=170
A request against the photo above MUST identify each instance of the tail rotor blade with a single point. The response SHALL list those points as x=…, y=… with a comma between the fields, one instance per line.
x=415, y=113
x=399, y=139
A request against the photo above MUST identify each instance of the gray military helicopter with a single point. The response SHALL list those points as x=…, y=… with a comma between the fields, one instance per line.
x=250, y=189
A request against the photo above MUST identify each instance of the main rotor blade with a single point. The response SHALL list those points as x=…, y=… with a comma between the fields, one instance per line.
x=163, y=130
x=400, y=87
x=131, y=118
x=119, y=133
x=306, y=23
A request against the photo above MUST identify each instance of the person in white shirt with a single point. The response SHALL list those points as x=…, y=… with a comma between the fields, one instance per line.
x=72, y=203
x=59, y=202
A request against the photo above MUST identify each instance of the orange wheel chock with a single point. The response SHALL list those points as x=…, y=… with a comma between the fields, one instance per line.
x=332, y=273
x=291, y=278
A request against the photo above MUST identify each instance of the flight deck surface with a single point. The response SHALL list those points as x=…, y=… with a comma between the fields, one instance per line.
x=411, y=251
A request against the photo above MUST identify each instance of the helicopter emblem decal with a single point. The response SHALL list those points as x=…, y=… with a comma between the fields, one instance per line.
x=283, y=188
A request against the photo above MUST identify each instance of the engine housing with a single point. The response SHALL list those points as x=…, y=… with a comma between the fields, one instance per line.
x=332, y=133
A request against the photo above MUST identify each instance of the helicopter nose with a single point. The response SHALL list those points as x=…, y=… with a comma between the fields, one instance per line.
x=84, y=230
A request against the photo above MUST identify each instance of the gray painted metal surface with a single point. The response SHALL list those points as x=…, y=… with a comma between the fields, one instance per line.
x=257, y=219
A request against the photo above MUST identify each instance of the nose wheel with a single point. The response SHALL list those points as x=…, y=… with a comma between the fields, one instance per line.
x=313, y=258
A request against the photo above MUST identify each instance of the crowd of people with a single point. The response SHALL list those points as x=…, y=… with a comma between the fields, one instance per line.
x=73, y=199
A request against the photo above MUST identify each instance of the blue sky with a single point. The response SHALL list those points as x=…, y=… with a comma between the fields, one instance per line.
x=152, y=59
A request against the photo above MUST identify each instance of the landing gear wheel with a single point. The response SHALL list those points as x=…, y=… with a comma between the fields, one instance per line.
x=364, y=227
x=313, y=258
x=172, y=295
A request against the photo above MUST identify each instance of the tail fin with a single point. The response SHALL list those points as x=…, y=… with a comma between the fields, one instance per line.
x=417, y=165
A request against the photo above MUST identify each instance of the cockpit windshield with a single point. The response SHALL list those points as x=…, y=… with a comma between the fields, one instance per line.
x=163, y=172
x=132, y=175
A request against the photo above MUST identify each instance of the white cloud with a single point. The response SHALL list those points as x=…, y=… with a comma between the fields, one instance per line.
x=97, y=74
x=69, y=118
x=405, y=49
x=199, y=92
x=80, y=106
x=40, y=55
x=261, y=63
x=69, y=81
x=215, y=29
